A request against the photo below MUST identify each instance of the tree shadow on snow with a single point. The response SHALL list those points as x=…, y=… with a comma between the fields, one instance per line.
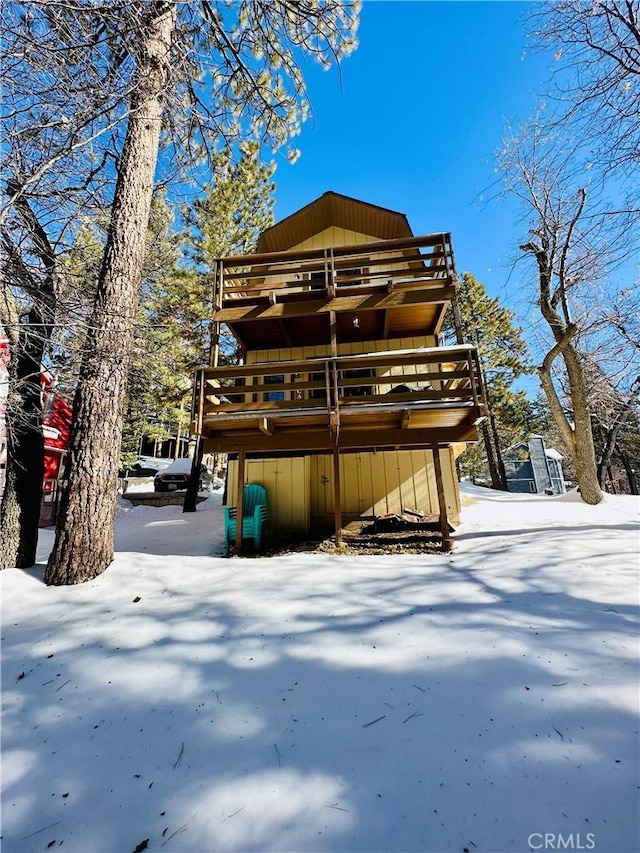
x=375, y=705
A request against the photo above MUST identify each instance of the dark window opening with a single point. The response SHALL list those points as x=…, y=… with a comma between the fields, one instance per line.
x=318, y=393
x=357, y=390
x=343, y=273
x=274, y=380
x=318, y=279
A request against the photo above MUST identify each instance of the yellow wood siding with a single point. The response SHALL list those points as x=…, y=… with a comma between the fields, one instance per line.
x=333, y=236
x=286, y=481
x=375, y=484
x=324, y=351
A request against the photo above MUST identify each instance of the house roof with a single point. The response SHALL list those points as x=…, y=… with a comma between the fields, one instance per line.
x=334, y=209
x=551, y=452
x=407, y=281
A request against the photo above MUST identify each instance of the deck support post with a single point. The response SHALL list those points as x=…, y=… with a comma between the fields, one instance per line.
x=336, y=495
x=447, y=544
x=191, y=496
x=239, y=503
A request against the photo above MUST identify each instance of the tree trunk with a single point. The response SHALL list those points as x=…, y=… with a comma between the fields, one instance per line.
x=579, y=439
x=502, y=473
x=84, y=539
x=613, y=431
x=584, y=456
x=191, y=496
x=631, y=477
x=20, y=510
x=488, y=447
x=28, y=337
x=494, y=458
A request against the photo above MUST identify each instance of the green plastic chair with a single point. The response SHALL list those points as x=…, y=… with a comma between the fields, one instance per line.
x=255, y=513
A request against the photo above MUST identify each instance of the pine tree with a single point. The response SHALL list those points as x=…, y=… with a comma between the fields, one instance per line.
x=503, y=352
x=228, y=220
x=176, y=301
x=105, y=85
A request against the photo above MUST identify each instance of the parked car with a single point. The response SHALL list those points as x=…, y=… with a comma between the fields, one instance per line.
x=145, y=467
x=176, y=476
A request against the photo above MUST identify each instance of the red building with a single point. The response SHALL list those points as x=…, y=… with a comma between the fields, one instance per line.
x=56, y=426
x=56, y=420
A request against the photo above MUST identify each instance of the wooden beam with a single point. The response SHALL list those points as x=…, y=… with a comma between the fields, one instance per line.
x=191, y=496
x=262, y=309
x=320, y=439
x=334, y=334
x=441, y=318
x=239, y=503
x=336, y=495
x=447, y=544
x=386, y=322
x=266, y=426
x=406, y=417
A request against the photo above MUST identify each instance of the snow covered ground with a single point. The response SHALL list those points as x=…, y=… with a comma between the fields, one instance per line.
x=484, y=700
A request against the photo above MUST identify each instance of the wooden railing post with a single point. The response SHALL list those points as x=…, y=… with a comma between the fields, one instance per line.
x=442, y=502
x=197, y=401
x=336, y=495
x=327, y=381
x=474, y=375
x=332, y=274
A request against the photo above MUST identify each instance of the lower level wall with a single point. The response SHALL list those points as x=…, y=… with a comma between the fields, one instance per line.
x=300, y=489
x=286, y=480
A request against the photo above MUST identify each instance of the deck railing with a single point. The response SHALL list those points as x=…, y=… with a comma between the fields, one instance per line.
x=398, y=380
x=405, y=263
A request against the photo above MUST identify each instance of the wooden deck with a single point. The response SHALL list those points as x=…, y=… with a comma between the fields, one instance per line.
x=406, y=398
x=371, y=291
x=320, y=331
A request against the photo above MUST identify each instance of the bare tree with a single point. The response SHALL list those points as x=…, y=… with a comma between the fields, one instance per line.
x=575, y=167
x=597, y=80
x=119, y=81
x=30, y=264
x=576, y=242
x=57, y=130
x=611, y=412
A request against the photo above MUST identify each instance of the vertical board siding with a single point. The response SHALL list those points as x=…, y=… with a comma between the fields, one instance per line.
x=286, y=481
x=354, y=348
x=380, y=483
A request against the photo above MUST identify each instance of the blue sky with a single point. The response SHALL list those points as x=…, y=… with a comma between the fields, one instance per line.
x=416, y=120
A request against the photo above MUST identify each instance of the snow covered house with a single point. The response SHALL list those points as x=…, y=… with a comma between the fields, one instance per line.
x=345, y=405
x=533, y=468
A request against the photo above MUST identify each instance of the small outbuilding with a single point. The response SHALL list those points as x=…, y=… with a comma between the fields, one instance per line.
x=533, y=468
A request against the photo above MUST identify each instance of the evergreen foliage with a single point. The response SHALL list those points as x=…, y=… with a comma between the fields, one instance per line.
x=174, y=327
x=503, y=356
